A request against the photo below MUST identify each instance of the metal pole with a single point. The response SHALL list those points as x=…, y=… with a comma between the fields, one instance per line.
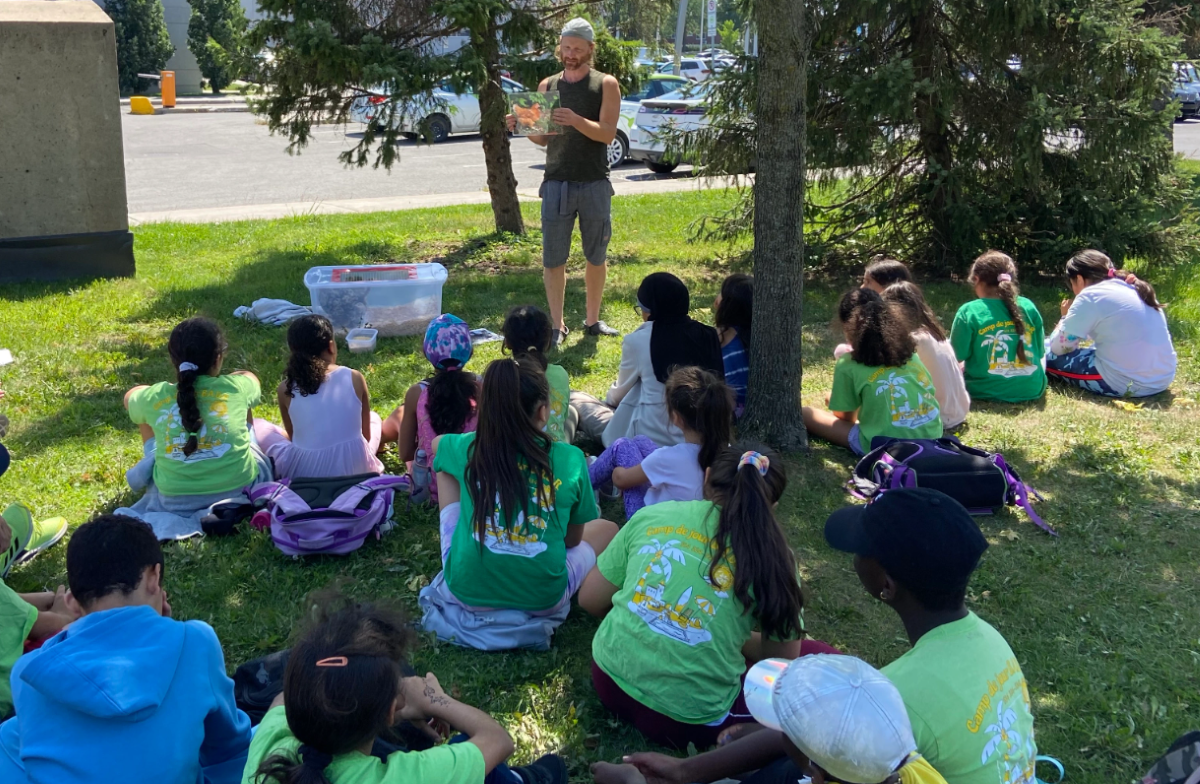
x=680, y=28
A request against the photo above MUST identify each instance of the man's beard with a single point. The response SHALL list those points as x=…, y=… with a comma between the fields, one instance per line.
x=573, y=63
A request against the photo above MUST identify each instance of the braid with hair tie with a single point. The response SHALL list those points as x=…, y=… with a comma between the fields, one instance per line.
x=759, y=461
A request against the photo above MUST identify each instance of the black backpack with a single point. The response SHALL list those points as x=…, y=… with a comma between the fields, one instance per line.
x=981, y=481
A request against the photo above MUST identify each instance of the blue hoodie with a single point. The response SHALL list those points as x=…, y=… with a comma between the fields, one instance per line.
x=125, y=696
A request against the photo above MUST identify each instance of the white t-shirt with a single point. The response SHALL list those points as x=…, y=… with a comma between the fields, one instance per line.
x=1133, y=347
x=674, y=473
x=948, y=385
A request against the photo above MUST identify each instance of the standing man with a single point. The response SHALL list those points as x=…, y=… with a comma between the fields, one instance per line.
x=576, y=180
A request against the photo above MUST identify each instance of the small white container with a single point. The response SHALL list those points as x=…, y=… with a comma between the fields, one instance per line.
x=361, y=340
x=396, y=299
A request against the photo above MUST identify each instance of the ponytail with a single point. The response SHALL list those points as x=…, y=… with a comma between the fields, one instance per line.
x=746, y=482
x=1094, y=267
x=998, y=271
x=527, y=333
x=195, y=347
x=878, y=334
x=706, y=404
x=340, y=684
x=307, y=768
x=308, y=337
x=508, y=446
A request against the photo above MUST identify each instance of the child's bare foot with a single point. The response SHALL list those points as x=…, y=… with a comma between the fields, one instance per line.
x=608, y=773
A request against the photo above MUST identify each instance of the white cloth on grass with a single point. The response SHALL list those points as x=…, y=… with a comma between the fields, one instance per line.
x=274, y=312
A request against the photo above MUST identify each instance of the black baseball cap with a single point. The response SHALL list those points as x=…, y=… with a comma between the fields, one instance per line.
x=924, y=538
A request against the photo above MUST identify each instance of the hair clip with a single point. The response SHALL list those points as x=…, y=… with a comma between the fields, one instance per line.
x=333, y=661
x=1004, y=277
x=759, y=461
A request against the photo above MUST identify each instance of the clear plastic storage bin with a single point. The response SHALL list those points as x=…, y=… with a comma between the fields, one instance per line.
x=396, y=299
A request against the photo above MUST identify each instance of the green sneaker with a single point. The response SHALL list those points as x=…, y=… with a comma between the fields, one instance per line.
x=29, y=538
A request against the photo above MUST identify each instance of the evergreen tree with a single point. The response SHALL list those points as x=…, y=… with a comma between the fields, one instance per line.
x=940, y=128
x=217, y=36
x=330, y=53
x=143, y=44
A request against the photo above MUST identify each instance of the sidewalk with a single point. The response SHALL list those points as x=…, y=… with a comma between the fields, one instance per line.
x=199, y=104
x=629, y=187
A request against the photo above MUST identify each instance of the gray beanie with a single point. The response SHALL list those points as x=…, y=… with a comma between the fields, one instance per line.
x=579, y=28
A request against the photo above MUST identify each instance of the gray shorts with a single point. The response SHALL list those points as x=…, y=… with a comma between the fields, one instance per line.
x=561, y=202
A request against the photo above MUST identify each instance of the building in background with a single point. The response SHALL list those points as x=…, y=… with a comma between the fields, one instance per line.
x=177, y=13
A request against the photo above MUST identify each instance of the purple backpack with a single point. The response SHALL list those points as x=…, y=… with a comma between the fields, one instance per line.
x=325, y=516
x=981, y=481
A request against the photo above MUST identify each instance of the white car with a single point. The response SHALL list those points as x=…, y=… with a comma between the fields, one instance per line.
x=692, y=68
x=655, y=86
x=452, y=112
x=685, y=109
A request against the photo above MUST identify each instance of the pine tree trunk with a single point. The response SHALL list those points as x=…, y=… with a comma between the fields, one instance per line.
x=773, y=404
x=933, y=137
x=493, y=106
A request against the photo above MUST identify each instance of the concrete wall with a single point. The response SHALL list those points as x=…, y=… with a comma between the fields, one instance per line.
x=183, y=62
x=62, y=166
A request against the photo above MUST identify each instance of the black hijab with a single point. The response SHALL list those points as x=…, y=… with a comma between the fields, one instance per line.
x=677, y=340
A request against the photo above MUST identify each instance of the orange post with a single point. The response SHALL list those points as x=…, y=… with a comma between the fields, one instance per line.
x=168, y=89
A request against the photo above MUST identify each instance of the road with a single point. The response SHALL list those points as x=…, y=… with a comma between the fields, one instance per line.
x=224, y=160
x=226, y=166
x=1187, y=138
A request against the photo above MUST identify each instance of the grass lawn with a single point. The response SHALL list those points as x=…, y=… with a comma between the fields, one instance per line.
x=1103, y=619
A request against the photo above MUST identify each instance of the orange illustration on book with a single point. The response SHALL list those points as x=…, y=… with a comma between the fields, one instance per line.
x=528, y=116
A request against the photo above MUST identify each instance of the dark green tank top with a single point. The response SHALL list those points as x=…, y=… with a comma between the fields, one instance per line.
x=570, y=155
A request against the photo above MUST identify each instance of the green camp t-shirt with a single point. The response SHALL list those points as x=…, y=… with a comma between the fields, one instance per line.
x=968, y=703
x=985, y=340
x=17, y=617
x=222, y=460
x=560, y=397
x=891, y=401
x=455, y=763
x=524, y=568
x=673, y=640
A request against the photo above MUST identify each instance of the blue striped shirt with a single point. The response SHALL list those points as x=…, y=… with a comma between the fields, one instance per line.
x=737, y=369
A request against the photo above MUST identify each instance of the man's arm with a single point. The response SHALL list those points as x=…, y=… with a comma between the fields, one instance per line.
x=603, y=130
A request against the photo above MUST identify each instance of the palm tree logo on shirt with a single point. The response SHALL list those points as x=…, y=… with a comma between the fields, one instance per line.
x=1000, y=363
x=908, y=406
x=677, y=619
x=1007, y=742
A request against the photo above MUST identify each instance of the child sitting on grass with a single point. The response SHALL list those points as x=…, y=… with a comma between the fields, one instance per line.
x=733, y=314
x=527, y=333
x=196, y=433
x=682, y=589
x=518, y=517
x=26, y=619
x=329, y=429
x=699, y=404
x=345, y=685
x=441, y=404
x=1131, y=352
x=125, y=693
x=999, y=337
x=934, y=351
x=915, y=550
x=880, y=388
x=883, y=271
x=829, y=718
